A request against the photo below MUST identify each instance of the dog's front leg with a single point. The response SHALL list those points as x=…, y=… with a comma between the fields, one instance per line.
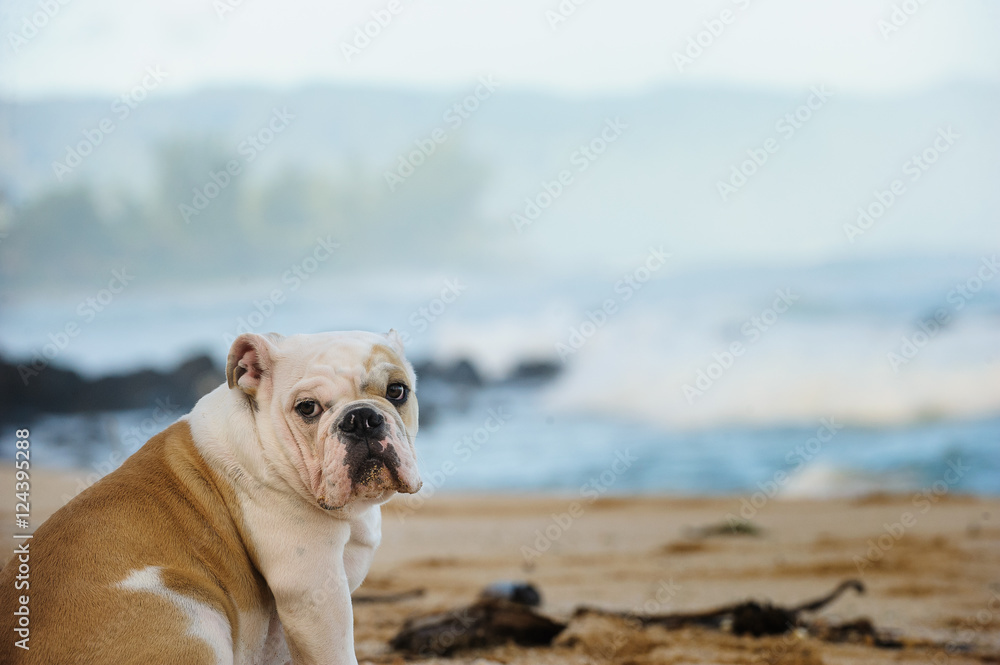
x=318, y=621
x=312, y=597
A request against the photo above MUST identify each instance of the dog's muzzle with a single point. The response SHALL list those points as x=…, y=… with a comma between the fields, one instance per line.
x=364, y=431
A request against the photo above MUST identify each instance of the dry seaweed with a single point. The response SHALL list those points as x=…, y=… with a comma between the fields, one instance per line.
x=494, y=621
x=489, y=622
x=734, y=527
x=747, y=618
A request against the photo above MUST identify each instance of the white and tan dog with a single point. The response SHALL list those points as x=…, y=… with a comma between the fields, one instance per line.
x=237, y=534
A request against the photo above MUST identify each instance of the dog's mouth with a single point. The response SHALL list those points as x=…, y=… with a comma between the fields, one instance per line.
x=326, y=506
x=367, y=459
x=376, y=478
x=373, y=471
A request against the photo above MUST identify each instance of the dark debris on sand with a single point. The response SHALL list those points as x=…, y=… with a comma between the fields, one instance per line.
x=495, y=620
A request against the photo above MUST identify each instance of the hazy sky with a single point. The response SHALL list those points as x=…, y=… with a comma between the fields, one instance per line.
x=103, y=46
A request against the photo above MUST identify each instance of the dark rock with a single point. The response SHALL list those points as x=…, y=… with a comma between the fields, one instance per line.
x=461, y=372
x=534, y=371
x=56, y=390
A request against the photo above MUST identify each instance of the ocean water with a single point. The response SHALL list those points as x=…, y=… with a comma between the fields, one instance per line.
x=800, y=381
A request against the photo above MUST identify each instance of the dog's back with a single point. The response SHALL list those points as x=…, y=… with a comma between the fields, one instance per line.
x=104, y=584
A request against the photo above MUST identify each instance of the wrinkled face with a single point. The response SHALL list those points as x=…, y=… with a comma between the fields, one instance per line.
x=343, y=411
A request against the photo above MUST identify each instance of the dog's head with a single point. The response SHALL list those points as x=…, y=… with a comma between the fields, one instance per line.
x=336, y=410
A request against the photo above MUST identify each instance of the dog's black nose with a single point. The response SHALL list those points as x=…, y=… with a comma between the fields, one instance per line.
x=364, y=422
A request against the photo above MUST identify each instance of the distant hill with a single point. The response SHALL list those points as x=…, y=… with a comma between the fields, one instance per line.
x=660, y=179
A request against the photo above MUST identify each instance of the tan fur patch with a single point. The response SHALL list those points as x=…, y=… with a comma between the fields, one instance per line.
x=165, y=508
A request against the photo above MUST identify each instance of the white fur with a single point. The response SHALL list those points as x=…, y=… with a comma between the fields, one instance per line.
x=204, y=622
x=312, y=559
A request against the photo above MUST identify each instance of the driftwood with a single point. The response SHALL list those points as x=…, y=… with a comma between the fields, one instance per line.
x=493, y=621
x=746, y=618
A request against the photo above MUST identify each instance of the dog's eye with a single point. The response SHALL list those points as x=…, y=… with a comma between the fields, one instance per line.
x=397, y=392
x=308, y=408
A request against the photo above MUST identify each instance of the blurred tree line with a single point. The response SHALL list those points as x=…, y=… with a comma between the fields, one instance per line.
x=255, y=226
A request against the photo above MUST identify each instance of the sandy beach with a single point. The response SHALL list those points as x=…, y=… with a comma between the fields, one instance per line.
x=930, y=562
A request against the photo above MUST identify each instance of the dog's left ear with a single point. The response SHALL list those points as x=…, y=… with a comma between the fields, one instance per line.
x=396, y=341
x=250, y=361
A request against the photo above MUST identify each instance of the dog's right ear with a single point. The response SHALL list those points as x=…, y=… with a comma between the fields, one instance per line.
x=250, y=361
x=396, y=341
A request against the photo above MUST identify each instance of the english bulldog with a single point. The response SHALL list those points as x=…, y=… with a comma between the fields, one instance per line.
x=236, y=535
